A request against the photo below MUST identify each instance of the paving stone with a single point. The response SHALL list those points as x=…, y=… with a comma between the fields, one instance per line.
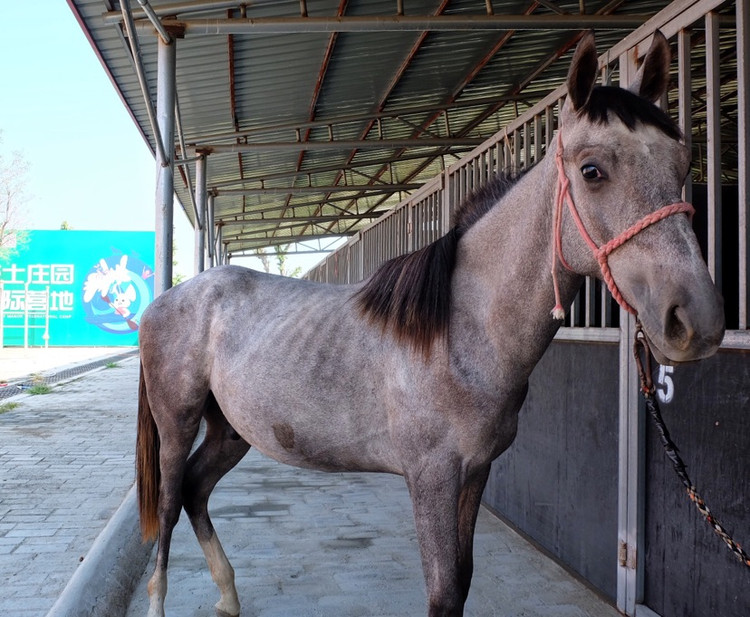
x=66, y=464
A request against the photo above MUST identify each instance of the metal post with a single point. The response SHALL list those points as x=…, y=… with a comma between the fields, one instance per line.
x=630, y=504
x=200, y=209
x=713, y=147
x=210, y=232
x=26, y=315
x=45, y=336
x=743, y=141
x=165, y=101
x=219, y=245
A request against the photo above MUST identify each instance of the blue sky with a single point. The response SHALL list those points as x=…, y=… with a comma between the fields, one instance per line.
x=89, y=165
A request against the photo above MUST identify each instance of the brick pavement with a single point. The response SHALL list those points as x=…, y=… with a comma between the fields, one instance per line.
x=66, y=463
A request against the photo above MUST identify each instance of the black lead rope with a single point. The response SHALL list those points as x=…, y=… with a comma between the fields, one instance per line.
x=642, y=354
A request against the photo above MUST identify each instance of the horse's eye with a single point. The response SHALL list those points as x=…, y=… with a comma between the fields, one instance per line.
x=591, y=172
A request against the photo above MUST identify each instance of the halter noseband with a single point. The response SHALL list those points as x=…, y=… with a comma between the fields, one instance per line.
x=600, y=252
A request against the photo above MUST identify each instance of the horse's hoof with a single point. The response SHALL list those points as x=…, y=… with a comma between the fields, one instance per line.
x=221, y=613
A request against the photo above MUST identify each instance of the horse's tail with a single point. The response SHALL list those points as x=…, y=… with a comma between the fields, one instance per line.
x=147, y=465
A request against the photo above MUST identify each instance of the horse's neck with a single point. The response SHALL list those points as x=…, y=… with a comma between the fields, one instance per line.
x=503, y=284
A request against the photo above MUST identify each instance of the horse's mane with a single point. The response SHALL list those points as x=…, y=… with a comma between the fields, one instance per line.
x=410, y=294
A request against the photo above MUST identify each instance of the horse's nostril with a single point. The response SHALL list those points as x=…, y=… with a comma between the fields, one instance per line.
x=677, y=328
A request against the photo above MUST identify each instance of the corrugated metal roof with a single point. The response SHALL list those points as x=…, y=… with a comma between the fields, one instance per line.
x=258, y=87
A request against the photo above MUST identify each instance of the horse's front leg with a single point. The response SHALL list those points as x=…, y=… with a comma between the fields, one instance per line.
x=445, y=510
x=468, y=508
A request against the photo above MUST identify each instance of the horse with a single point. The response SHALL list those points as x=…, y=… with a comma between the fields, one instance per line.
x=421, y=370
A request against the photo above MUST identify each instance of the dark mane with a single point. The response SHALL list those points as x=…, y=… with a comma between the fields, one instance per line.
x=629, y=108
x=410, y=294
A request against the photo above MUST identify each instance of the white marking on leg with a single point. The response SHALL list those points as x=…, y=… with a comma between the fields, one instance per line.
x=223, y=575
x=157, y=591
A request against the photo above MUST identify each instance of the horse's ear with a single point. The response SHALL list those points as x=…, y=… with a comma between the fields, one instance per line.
x=583, y=72
x=652, y=78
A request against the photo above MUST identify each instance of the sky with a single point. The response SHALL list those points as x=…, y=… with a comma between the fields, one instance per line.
x=88, y=164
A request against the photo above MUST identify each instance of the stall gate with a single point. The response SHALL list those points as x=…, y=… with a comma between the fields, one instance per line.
x=603, y=499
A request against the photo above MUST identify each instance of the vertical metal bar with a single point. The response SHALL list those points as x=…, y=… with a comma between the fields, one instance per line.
x=219, y=245
x=629, y=575
x=537, y=138
x=743, y=141
x=210, y=232
x=26, y=316
x=201, y=209
x=165, y=101
x=45, y=336
x=526, y=145
x=684, y=100
x=549, y=126
x=713, y=147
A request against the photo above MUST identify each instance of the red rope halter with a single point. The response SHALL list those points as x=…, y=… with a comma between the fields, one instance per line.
x=600, y=252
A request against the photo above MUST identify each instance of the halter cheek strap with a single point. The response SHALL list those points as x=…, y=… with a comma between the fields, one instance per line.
x=600, y=252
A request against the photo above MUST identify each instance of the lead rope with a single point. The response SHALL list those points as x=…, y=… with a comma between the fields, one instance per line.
x=640, y=344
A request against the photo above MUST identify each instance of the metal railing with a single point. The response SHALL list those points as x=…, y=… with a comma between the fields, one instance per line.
x=709, y=94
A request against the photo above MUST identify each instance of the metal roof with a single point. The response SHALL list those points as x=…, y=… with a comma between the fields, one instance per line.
x=320, y=116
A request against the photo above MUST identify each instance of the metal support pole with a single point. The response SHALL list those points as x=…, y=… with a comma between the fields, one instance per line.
x=210, y=232
x=2, y=315
x=165, y=102
x=219, y=245
x=743, y=141
x=713, y=147
x=630, y=504
x=201, y=208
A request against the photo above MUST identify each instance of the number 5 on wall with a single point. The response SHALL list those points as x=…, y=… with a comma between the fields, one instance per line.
x=665, y=384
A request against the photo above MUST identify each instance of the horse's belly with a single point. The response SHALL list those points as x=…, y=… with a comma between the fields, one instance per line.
x=326, y=439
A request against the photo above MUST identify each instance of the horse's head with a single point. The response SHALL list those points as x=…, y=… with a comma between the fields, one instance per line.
x=626, y=166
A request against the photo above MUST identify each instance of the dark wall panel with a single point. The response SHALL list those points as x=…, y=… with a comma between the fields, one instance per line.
x=558, y=481
x=689, y=570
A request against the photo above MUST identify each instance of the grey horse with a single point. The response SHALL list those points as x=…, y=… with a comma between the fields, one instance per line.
x=421, y=370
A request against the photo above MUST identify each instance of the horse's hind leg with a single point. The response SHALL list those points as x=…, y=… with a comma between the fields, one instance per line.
x=176, y=440
x=220, y=451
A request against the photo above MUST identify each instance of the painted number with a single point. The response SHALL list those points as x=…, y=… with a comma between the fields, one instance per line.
x=665, y=383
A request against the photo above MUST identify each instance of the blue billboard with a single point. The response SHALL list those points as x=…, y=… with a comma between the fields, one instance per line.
x=76, y=288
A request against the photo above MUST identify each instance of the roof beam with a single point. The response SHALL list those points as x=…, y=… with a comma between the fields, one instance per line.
x=312, y=171
x=174, y=8
x=395, y=113
x=264, y=241
x=400, y=23
x=340, y=144
x=298, y=220
x=284, y=190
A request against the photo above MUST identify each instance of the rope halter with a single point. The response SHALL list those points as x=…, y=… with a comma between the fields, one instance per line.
x=600, y=252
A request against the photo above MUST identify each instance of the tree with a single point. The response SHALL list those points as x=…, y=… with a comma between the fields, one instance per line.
x=281, y=257
x=13, y=178
x=177, y=277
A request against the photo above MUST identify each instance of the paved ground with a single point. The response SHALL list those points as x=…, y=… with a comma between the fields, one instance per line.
x=16, y=362
x=303, y=543
x=66, y=463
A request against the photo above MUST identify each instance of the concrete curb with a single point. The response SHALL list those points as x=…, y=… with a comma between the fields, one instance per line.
x=104, y=582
